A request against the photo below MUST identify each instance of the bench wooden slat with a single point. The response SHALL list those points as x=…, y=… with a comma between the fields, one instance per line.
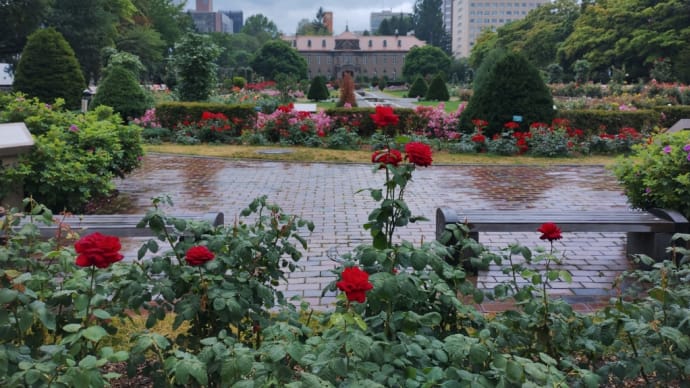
x=647, y=231
x=121, y=225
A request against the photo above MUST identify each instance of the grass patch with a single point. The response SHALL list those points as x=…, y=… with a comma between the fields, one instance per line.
x=304, y=154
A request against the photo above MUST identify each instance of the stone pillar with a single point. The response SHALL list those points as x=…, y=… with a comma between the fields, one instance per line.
x=15, y=139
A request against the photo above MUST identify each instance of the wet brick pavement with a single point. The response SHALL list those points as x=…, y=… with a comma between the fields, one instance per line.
x=327, y=194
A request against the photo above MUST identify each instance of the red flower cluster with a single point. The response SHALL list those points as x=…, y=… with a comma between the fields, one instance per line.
x=480, y=124
x=387, y=156
x=98, y=249
x=286, y=108
x=213, y=116
x=418, y=153
x=511, y=125
x=384, y=116
x=478, y=138
x=522, y=141
x=355, y=284
x=550, y=231
x=198, y=255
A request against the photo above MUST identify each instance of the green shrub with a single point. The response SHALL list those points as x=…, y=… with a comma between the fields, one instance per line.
x=343, y=139
x=513, y=87
x=195, y=67
x=318, y=90
x=418, y=88
x=48, y=69
x=121, y=91
x=76, y=158
x=437, y=89
x=593, y=120
x=658, y=174
x=670, y=115
x=239, y=82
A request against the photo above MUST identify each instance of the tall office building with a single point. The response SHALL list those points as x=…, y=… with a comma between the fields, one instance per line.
x=447, y=12
x=471, y=17
x=237, y=18
x=204, y=5
x=375, y=18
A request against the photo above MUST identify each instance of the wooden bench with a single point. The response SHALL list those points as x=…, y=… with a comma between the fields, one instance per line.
x=121, y=225
x=648, y=232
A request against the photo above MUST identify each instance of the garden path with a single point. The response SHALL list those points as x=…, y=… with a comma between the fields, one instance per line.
x=327, y=194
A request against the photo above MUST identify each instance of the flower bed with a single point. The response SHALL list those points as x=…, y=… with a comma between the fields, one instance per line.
x=405, y=316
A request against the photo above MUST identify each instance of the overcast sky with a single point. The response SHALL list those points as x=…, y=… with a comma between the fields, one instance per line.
x=287, y=13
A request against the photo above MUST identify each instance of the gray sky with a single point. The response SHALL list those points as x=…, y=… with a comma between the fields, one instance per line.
x=287, y=13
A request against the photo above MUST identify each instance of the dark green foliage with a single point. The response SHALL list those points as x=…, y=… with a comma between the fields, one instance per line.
x=418, y=88
x=486, y=66
x=278, y=57
x=513, y=88
x=48, y=69
x=169, y=114
x=382, y=83
x=425, y=61
x=437, y=89
x=344, y=117
x=195, y=67
x=121, y=91
x=592, y=120
x=318, y=90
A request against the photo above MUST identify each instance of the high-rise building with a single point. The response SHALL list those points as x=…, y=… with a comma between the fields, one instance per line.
x=447, y=12
x=237, y=18
x=471, y=17
x=375, y=18
x=204, y=5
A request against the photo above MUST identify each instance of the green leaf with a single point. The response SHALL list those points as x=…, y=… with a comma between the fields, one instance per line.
x=102, y=314
x=72, y=327
x=566, y=276
x=514, y=372
x=7, y=295
x=94, y=333
x=88, y=362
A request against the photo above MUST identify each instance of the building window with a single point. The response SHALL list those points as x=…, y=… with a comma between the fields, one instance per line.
x=323, y=43
x=330, y=60
x=318, y=59
x=294, y=43
x=399, y=43
x=309, y=43
x=364, y=60
x=385, y=43
x=370, y=43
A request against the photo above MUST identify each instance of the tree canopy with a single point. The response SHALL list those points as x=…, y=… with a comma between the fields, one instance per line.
x=278, y=57
x=428, y=24
x=261, y=27
x=425, y=61
x=610, y=35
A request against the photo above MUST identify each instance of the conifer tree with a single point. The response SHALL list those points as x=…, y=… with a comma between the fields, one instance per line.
x=438, y=91
x=418, y=88
x=48, y=69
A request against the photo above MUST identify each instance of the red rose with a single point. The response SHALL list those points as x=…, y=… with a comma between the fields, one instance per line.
x=97, y=249
x=478, y=138
x=387, y=156
x=198, y=255
x=384, y=116
x=355, y=284
x=550, y=231
x=418, y=153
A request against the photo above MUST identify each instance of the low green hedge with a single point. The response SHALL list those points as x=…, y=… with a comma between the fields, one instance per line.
x=593, y=119
x=669, y=115
x=169, y=114
x=360, y=118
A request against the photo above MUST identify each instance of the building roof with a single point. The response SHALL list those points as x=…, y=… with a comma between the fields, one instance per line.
x=349, y=41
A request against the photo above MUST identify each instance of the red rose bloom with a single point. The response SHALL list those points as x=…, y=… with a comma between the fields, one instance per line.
x=355, y=284
x=418, y=153
x=550, y=231
x=387, y=156
x=384, y=116
x=198, y=255
x=97, y=249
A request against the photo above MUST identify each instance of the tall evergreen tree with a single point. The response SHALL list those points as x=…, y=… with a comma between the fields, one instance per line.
x=195, y=67
x=428, y=24
x=48, y=69
x=513, y=87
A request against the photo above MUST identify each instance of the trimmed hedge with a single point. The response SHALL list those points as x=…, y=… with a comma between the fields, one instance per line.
x=360, y=118
x=669, y=115
x=169, y=114
x=591, y=120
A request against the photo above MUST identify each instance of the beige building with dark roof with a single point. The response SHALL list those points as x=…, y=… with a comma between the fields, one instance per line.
x=366, y=57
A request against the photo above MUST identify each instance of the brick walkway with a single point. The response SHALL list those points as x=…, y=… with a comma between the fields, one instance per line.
x=327, y=195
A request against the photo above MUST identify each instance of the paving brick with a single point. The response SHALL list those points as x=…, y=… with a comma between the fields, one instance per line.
x=326, y=194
